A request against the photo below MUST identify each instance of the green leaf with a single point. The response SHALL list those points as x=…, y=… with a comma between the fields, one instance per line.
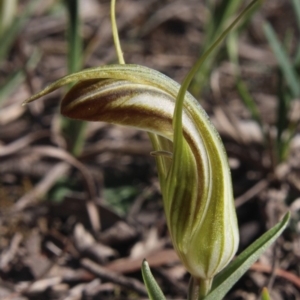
x=10, y=34
x=221, y=12
x=120, y=198
x=15, y=79
x=296, y=5
x=8, y=9
x=232, y=273
x=249, y=101
x=283, y=60
x=11, y=83
x=265, y=294
x=74, y=37
x=74, y=129
x=153, y=289
x=232, y=48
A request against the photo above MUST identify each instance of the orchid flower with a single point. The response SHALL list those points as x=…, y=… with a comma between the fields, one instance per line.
x=191, y=161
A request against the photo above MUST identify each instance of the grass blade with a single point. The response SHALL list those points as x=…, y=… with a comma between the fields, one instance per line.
x=153, y=289
x=74, y=38
x=265, y=294
x=74, y=129
x=283, y=60
x=231, y=274
x=17, y=77
x=296, y=4
x=6, y=40
x=8, y=10
x=232, y=49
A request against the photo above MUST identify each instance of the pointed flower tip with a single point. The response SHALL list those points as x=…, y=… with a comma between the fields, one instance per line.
x=27, y=101
x=30, y=99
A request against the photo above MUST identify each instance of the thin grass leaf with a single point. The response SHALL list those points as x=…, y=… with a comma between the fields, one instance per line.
x=248, y=101
x=8, y=10
x=220, y=14
x=10, y=84
x=232, y=48
x=284, y=100
x=153, y=288
x=75, y=130
x=17, y=77
x=74, y=38
x=296, y=5
x=297, y=57
x=288, y=88
x=217, y=23
x=11, y=32
x=265, y=294
x=231, y=274
x=283, y=60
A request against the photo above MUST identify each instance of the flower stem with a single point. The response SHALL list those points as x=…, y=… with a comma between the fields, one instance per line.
x=115, y=32
x=204, y=288
x=198, y=288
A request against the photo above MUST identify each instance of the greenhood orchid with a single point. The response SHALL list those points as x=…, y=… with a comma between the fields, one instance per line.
x=191, y=160
x=192, y=164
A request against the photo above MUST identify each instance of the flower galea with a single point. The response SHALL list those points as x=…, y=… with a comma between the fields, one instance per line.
x=191, y=160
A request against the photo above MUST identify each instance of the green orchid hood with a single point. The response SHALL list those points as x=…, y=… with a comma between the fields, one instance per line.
x=191, y=161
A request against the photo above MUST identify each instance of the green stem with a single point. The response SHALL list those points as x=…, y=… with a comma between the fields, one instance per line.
x=198, y=288
x=204, y=288
x=115, y=32
x=193, y=290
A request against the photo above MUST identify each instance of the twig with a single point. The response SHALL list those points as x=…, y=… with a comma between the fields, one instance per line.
x=88, y=178
x=253, y=191
x=105, y=274
x=8, y=255
x=22, y=142
x=42, y=187
x=279, y=272
x=272, y=276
